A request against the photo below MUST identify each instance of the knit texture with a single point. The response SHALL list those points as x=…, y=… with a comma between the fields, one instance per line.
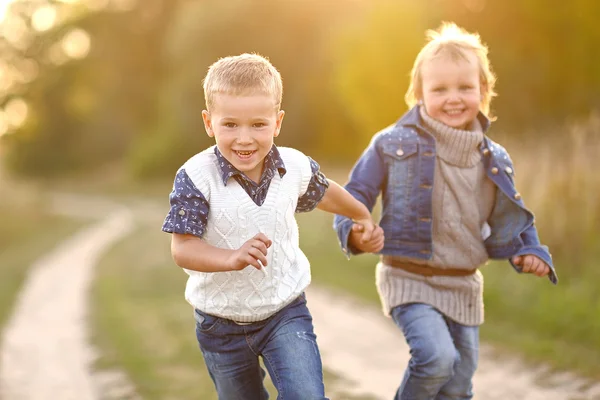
x=251, y=295
x=462, y=201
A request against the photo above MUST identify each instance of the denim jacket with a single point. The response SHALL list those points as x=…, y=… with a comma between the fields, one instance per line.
x=399, y=163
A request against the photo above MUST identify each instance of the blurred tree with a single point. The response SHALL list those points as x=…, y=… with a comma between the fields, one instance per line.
x=84, y=110
x=291, y=34
x=132, y=86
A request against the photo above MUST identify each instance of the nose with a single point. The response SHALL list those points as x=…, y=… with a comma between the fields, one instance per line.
x=244, y=136
x=453, y=96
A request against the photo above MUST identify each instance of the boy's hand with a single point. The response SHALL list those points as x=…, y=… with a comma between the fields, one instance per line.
x=532, y=265
x=367, y=237
x=253, y=252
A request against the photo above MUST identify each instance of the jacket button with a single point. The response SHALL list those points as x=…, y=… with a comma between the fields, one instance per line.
x=509, y=170
x=494, y=170
x=181, y=212
x=517, y=196
x=400, y=152
x=486, y=151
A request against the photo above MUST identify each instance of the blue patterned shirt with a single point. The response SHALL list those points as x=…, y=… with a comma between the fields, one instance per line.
x=188, y=203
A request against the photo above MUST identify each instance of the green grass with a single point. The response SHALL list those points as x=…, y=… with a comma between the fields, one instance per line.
x=26, y=233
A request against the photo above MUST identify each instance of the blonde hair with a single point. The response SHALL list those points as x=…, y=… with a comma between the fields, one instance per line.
x=453, y=41
x=242, y=75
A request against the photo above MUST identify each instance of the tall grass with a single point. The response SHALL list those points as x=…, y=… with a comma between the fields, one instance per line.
x=559, y=181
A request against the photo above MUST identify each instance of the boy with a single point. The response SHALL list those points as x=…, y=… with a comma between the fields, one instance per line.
x=235, y=235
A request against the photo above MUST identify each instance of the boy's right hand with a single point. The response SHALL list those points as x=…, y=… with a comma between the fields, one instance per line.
x=251, y=252
x=367, y=242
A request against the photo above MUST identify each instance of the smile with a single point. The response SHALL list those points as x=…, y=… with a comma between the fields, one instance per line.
x=244, y=154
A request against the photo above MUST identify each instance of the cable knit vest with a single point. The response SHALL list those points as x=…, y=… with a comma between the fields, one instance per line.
x=251, y=295
x=462, y=200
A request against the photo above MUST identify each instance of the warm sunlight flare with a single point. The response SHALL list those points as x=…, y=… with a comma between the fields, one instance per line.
x=15, y=112
x=44, y=18
x=4, y=4
x=76, y=43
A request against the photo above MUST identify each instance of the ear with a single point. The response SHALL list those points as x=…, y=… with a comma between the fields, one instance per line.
x=207, y=123
x=482, y=90
x=278, y=122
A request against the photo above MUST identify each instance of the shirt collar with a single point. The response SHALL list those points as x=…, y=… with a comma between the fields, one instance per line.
x=272, y=162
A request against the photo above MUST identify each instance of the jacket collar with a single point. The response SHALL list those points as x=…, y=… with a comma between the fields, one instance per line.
x=413, y=118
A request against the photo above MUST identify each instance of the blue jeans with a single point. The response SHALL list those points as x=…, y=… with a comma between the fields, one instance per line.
x=286, y=342
x=443, y=352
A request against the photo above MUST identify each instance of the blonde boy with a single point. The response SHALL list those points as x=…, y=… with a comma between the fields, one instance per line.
x=235, y=235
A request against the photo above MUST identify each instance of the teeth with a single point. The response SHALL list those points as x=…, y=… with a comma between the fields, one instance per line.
x=244, y=153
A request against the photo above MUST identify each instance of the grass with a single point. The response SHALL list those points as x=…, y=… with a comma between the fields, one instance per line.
x=26, y=233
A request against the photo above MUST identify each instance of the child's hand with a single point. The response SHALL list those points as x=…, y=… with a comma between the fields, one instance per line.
x=253, y=252
x=532, y=264
x=368, y=240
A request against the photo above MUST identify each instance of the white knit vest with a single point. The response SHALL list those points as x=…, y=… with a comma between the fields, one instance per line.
x=251, y=295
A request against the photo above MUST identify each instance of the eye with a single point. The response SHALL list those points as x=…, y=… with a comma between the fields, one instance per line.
x=438, y=89
x=259, y=125
x=466, y=87
x=229, y=125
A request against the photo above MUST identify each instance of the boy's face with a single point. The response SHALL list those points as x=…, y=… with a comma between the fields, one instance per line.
x=244, y=128
x=452, y=91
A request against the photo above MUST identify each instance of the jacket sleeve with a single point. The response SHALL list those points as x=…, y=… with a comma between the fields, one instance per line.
x=366, y=181
x=532, y=245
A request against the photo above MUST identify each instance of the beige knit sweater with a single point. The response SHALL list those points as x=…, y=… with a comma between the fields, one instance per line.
x=462, y=201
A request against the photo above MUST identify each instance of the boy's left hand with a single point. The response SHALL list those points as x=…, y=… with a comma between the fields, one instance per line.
x=532, y=265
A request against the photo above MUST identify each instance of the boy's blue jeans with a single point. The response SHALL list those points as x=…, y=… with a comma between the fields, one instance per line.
x=285, y=341
x=443, y=352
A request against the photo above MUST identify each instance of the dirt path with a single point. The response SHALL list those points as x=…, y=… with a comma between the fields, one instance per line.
x=358, y=343
x=46, y=353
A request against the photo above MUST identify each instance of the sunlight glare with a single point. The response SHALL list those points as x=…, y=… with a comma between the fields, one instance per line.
x=15, y=30
x=16, y=112
x=76, y=43
x=43, y=18
x=4, y=4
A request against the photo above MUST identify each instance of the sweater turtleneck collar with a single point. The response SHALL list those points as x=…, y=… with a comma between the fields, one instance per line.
x=455, y=146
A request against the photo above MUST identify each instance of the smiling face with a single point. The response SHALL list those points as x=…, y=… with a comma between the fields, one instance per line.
x=244, y=128
x=452, y=91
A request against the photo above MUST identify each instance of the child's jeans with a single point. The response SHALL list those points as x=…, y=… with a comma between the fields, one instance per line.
x=443, y=352
x=285, y=341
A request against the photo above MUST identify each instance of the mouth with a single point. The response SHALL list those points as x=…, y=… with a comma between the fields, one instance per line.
x=244, y=154
x=453, y=112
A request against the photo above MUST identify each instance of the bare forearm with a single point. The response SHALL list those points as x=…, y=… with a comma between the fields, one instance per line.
x=197, y=255
x=338, y=201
